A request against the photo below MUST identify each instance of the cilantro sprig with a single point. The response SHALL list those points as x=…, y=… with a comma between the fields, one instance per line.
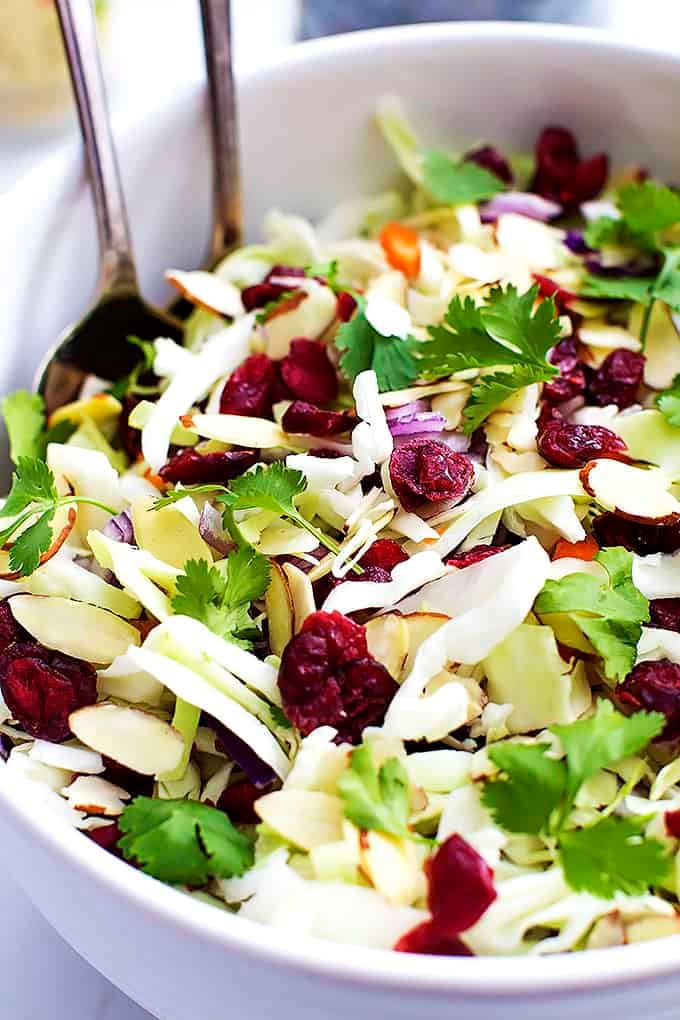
x=220, y=596
x=647, y=210
x=375, y=798
x=272, y=487
x=183, y=842
x=33, y=502
x=668, y=403
x=534, y=793
x=504, y=333
x=610, y=615
x=363, y=347
x=25, y=420
x=457, y=183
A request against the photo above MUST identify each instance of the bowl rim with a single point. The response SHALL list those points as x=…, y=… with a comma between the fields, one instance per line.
x=481, y=977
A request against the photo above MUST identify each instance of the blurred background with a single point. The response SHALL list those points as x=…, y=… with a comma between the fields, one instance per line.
x=153, y=46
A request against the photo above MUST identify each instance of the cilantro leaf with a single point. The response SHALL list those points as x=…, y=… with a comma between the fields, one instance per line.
x=668, y=403
x=187, y=490
x=183, y=842
x=610, y=615
x=24, y=415
x=375, y=798
x=524, y=799
x=32, y=502
x=613, y=856
x=667, y=286
x=607, y=232
x=605, y=738
x=458, y=183
x=220, y=596
x=365, y=348
x=629, y=288
x=491, y=391
x=648, y=207
x=329, y=272
x=502, y=332
x=272, y=487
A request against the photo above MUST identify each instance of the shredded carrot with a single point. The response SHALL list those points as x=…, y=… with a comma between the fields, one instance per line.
x=155, y=480
x=585, y=550
x=402, y=248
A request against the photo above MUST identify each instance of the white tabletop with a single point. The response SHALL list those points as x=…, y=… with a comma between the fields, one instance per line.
x=41, y=975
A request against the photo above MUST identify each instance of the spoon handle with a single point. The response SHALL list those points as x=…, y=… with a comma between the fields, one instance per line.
x=228, y=215
x=79, y=33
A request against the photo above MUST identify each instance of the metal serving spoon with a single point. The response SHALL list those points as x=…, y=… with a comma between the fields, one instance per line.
x=97, y=343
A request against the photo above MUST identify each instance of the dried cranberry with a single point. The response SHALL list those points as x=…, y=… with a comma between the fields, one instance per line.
x=672, y=822
x=665, y=613
x=548, y=288
x=571, y=381
x=308, y=419
x=42, y=688
x=308, y=373
x=561, y=175
x=130, y=439
x=426, y=469
x=654, y=687
x=249, y=390
x=492, y=160
x=190, y=467
x=428, y=939
x=644, y=539
x=460, y=885
x=617, y=380
x=346, y=306
x=237, y=801
x=548, y=415
x=475, y=555
x=261, y=294
x=327, y=677
x=571, y=446
x=10, y=630
x=106, y=836
x=385, y=553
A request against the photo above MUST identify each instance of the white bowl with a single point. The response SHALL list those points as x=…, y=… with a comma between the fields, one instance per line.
x=308, y=142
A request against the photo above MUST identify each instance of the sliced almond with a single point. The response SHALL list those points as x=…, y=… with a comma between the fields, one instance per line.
x=305, y=818
x=308, y=315
x=168, y=534
x=278, y=602
x=207, y=291
x=638, y=494
x=388, y=641
x=301, y=592
x=420, y=627
x=96, y=796
x=239, y=430
x=74, y=628
x=131, y=737
x=67, y=757
x=644, y=929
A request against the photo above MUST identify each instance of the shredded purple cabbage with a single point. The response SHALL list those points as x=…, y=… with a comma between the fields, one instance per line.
x=119, y=528
x=524, y=203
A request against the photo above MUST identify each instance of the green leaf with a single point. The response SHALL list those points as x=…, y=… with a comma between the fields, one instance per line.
x=220, y=596
x=649, y=207
x=524, y=799
x=273, y=487
x=610, y=615
x=491, y=391
x=613, y=856
x=364, y=348
x=605, y=738
x=668, y=403
x=375, y=798
x=630, y=288
x=183, y=842
x=24, y=415
x=264, y=312
x=505, y=331
x=32, y=482
x=607, y=232
x=667, y=286
x=458, y=183
x=328, y=271
x=25, y=552
x=188, y=490
x=147, y=356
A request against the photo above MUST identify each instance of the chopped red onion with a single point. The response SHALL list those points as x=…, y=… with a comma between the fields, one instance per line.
x=406, y=410
x=119, y=528
x=90, y=564
x=522, y=202
x=212, y=531
x=417, y=424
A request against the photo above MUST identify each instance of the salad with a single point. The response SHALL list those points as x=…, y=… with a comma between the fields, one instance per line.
x=359, y=613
